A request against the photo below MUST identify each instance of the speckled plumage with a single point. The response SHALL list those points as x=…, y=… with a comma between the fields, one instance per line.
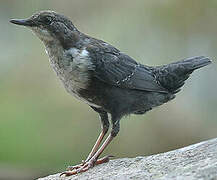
x=104, y=77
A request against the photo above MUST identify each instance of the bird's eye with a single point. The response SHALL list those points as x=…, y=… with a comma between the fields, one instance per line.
x=48, y=20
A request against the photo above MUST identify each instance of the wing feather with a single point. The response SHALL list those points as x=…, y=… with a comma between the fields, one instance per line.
x=118, y=69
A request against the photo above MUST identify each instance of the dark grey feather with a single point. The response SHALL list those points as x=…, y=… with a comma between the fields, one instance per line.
x=172, y=76
x=122, y=71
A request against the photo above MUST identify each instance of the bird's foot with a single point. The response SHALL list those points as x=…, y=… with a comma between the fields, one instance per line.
x=69, y=168
x=84, y=166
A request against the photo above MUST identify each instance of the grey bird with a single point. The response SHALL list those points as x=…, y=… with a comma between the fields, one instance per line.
x=105, y=78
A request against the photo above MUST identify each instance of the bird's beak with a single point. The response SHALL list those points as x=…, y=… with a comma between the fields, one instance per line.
x=23, y=22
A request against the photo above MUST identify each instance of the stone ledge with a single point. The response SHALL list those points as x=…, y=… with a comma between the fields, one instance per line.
x=198, y=161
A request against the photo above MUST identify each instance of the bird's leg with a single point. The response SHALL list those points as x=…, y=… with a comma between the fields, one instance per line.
x=94, y=149
x=105, y=126
x=93, y=160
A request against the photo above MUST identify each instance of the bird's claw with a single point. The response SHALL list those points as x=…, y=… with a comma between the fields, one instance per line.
x=84, y=166
x=104, y=159
x=70, y=168
x=68, y=173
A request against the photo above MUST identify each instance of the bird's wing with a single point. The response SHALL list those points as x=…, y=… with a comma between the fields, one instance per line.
x=118, y=69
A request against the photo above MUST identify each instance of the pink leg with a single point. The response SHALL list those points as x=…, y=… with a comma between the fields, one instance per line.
x=93, y=151
x=93, y=160
x=96, y=146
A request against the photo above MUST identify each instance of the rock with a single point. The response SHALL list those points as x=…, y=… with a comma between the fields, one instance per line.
x=198, y=161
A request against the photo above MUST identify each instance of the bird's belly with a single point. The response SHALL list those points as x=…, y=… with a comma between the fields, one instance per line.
x=73, y=84
x=71, y=66
x=73, y=72
x=85, y=100
x=72, y=76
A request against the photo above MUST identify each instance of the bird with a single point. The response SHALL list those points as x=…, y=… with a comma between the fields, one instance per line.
x=109, y=81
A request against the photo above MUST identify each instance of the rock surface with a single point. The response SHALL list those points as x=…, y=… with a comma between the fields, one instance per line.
x=198, y=161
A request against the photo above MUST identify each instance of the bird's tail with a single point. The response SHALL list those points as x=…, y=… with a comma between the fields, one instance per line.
x=173, y=76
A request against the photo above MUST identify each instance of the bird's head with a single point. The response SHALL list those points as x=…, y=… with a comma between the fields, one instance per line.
x=50, y=26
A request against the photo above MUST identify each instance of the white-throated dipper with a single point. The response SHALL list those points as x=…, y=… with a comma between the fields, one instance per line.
x=108, y=80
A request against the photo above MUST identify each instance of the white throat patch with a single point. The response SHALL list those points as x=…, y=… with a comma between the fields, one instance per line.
x=42, y=34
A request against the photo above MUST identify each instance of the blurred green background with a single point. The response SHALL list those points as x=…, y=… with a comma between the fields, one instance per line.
x=43, y=129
